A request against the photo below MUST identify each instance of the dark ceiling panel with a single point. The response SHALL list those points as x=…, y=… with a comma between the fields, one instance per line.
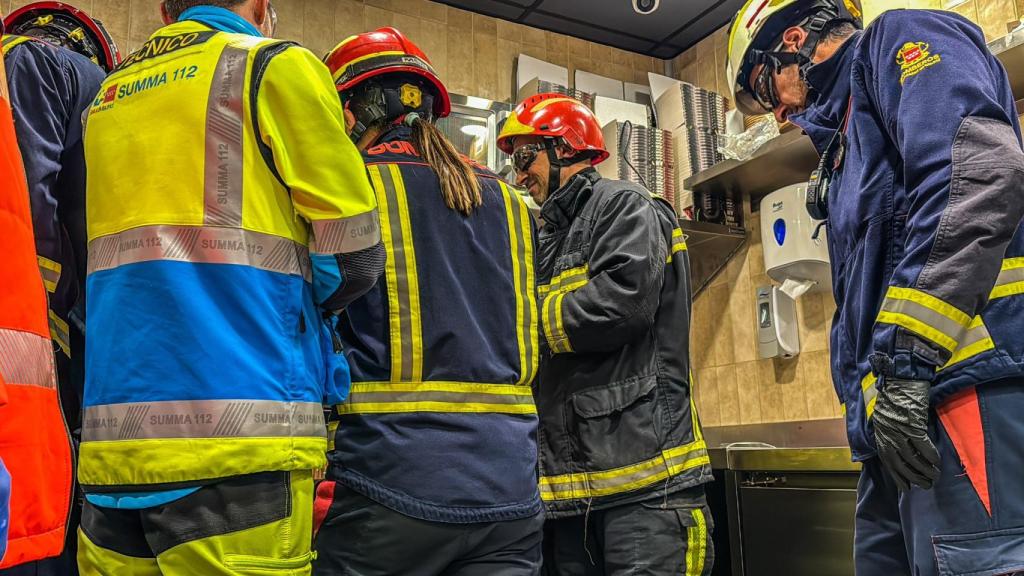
x=603, y=36
x=712, y=19
x=674, y=27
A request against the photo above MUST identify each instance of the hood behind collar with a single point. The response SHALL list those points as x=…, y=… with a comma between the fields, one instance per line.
x=565, y=203
x=828, y=94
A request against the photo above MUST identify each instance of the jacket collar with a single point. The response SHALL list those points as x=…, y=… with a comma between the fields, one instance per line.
x=562, y=207
x=828, y=95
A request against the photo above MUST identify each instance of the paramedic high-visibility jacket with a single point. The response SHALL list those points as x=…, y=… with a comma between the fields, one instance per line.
x=925, y=211
x=617, y=419
x=34, y=443
x=50, y=88
x=441, y=423
x=226, y=214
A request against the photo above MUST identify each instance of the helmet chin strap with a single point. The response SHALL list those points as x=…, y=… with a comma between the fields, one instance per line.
x=555, y=165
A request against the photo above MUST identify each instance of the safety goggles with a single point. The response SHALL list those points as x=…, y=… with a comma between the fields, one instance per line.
x=523, y=157
x=762, y=86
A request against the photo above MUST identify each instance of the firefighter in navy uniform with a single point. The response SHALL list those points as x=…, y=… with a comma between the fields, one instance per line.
x=622, y=458
x=923, y=186
x=56, y=57
x=434, y=464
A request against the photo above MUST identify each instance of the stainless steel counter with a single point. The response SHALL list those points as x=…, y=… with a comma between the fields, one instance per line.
x=763, y=459
x=777, y=484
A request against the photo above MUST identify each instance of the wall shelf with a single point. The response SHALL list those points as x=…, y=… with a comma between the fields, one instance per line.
x=710, y=246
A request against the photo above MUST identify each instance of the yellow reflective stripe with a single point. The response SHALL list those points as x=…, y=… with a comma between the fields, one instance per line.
x=400, y=274
x=400, y=397
x=930, y=302
x=521, y=246
x=60, y=333
x=696, y=544
x=925, y=315
x=678, y=244
x=554, y=326
x=50, y=272
x=596, y=484
x=390, y=269
x=415, y=320
x=976, y=341
x=12, y=40
x=869, y=390
x=189, y=459
x=436, y=406
x=1011, y=279
x=842, y=408
x=332, y=430
x=567, y=281
x=698, y=434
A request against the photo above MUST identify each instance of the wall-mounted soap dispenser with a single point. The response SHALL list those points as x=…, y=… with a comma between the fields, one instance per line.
x=778, y=334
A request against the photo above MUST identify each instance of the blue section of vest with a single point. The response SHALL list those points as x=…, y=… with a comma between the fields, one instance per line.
x=166, y=330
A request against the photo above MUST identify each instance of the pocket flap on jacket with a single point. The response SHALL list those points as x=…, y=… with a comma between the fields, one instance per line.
x=614, y=398
x=983, y=554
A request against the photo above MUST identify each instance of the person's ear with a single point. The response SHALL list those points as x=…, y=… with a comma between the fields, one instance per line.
x=260, y=12
x=793, y=38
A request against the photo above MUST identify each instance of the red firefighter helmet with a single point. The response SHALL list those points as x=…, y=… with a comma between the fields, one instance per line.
x=555, y=116
x=67, y=26
x=383, y=51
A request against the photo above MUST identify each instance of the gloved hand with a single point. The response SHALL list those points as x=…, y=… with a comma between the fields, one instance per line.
x=901, y=434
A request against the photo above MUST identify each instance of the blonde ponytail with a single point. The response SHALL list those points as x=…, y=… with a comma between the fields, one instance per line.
x=459, y=184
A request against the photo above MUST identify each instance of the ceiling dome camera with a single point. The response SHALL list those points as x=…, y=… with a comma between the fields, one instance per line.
x=645, y=6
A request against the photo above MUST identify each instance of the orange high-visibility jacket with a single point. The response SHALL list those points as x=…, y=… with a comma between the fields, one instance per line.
x=34, y=443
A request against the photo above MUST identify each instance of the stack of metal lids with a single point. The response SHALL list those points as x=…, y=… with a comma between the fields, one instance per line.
x=651, y=156
x=696, y=139
x=703, y=110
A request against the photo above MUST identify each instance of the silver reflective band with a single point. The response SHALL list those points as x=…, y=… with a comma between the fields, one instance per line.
x=199, y=244
x=357, y=398
x=346, y=235
x=223, y=159
x=203, y=419
x=27, y=359
x=946, y=326
x=1010, y=276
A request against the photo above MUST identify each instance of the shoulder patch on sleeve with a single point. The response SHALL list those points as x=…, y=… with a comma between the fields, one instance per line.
x=914, y=57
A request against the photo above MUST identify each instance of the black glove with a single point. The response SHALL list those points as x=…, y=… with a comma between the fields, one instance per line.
x=901, y=434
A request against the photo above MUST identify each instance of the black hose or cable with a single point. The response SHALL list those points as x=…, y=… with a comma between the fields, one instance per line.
x=625, y=135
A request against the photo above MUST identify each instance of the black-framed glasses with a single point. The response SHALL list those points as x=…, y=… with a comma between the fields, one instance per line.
x=523, y=157
x=763, y=86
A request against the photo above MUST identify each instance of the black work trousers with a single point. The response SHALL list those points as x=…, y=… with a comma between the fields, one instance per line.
x=662, y=536
x=359, y=537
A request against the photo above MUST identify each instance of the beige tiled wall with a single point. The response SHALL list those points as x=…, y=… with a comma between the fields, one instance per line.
x=473, y=54
x=733, y=386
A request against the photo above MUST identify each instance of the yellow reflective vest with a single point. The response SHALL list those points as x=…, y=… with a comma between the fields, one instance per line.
x=217, y=167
